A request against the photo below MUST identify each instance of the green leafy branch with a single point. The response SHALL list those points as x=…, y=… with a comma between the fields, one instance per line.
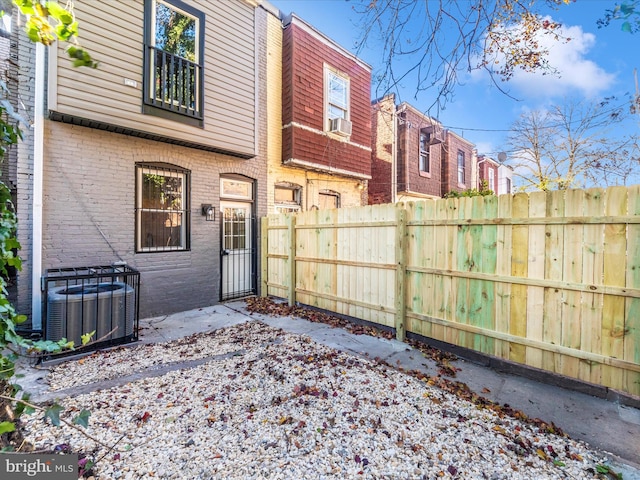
x=483, y=191
x=628, y=12
x=40, y=30
x=51, y=412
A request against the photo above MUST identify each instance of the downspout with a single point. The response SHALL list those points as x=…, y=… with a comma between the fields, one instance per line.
x=477, y=164
x=405, y=157
x=38, y=163
x=394, y=154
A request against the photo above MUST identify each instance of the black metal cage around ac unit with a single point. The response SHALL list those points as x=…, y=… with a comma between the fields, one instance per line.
x=80, y=300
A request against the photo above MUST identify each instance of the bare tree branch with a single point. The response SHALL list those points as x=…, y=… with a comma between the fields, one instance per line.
x=573, y=145
x=430, y=42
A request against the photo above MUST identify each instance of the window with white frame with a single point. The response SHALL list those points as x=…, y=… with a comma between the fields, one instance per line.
x=424, y=161
x=287, y=198
x=162, y=207
x=174, y=58
x=337, y=95
x=461, y=167
x=492, y=179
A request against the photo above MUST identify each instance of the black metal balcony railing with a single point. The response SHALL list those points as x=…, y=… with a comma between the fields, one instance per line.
x=173, y=83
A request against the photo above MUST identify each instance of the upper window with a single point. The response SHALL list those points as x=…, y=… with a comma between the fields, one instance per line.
x=425, y=138
x=461, y=167
x=492, y=179
x=173, y=70
x=337, y=95
x=162, y=212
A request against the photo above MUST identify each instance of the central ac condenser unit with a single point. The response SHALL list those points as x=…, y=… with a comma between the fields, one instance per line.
x=74, y=310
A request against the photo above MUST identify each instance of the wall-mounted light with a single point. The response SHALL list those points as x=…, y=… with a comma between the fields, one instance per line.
x=208, y=212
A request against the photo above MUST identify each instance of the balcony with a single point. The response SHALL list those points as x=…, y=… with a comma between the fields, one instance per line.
x=172, y=86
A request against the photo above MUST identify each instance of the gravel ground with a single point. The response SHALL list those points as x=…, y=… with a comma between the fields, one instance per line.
x=284, y=407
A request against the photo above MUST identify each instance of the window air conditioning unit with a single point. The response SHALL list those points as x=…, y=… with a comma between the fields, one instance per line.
x=340, y=126
x=437, y=134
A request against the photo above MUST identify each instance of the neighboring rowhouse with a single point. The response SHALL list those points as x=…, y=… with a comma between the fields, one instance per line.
x=320, y=112
x=488, y=173
x=413, y=156
x=497, y=175
x=157, y=158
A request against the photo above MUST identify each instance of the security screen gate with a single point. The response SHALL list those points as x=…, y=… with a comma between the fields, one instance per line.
x=101, y=299
x=238, y=255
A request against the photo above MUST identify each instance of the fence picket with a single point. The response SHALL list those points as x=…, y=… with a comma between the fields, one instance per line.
x=536, y=264
x=503, y=267
x=519, y=268
x=592, y=267
x=464, y=259
x=553, y=297
x=572, y=273
x=632, y=305
x=615, y=250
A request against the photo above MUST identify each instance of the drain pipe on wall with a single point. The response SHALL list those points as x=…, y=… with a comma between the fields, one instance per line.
x=394, y=153
x=38, y=164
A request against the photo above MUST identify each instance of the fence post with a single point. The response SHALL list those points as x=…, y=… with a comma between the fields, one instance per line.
x=291, y=221
x=401, y=269
x=264, y=257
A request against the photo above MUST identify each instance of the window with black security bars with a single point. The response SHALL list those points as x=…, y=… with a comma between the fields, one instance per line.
x=162, y=208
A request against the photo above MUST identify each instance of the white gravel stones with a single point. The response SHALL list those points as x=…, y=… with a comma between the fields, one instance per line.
x=122, y=361
x=288, y=408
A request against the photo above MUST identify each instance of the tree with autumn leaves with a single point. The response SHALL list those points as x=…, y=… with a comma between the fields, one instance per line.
x=429, y=43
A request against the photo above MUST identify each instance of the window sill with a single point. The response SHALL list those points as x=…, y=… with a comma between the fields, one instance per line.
x=425, y=174
x=172, y=250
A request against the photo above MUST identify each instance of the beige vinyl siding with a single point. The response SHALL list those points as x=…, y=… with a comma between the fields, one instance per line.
x=101, y=95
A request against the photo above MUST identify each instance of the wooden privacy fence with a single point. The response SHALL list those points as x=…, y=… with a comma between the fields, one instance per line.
x=550, y=280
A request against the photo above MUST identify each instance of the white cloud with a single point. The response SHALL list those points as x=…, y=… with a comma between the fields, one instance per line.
x=486, y=148
x=576, y=73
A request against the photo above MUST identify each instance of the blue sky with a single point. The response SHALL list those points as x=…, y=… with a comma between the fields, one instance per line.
x=596, y=63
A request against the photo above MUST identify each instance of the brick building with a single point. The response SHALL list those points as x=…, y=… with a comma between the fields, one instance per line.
x=413, y=156
x=458, y=163
x=497, y=175
x=156, y=159
x=488, y=172
x=320, y=113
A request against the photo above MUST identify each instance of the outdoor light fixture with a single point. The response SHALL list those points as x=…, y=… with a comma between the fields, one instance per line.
x=208, y=212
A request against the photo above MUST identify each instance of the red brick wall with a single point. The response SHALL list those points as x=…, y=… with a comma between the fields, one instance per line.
x=410, y=179
x=304, y=57
x=452, y=145
x=483, y=173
